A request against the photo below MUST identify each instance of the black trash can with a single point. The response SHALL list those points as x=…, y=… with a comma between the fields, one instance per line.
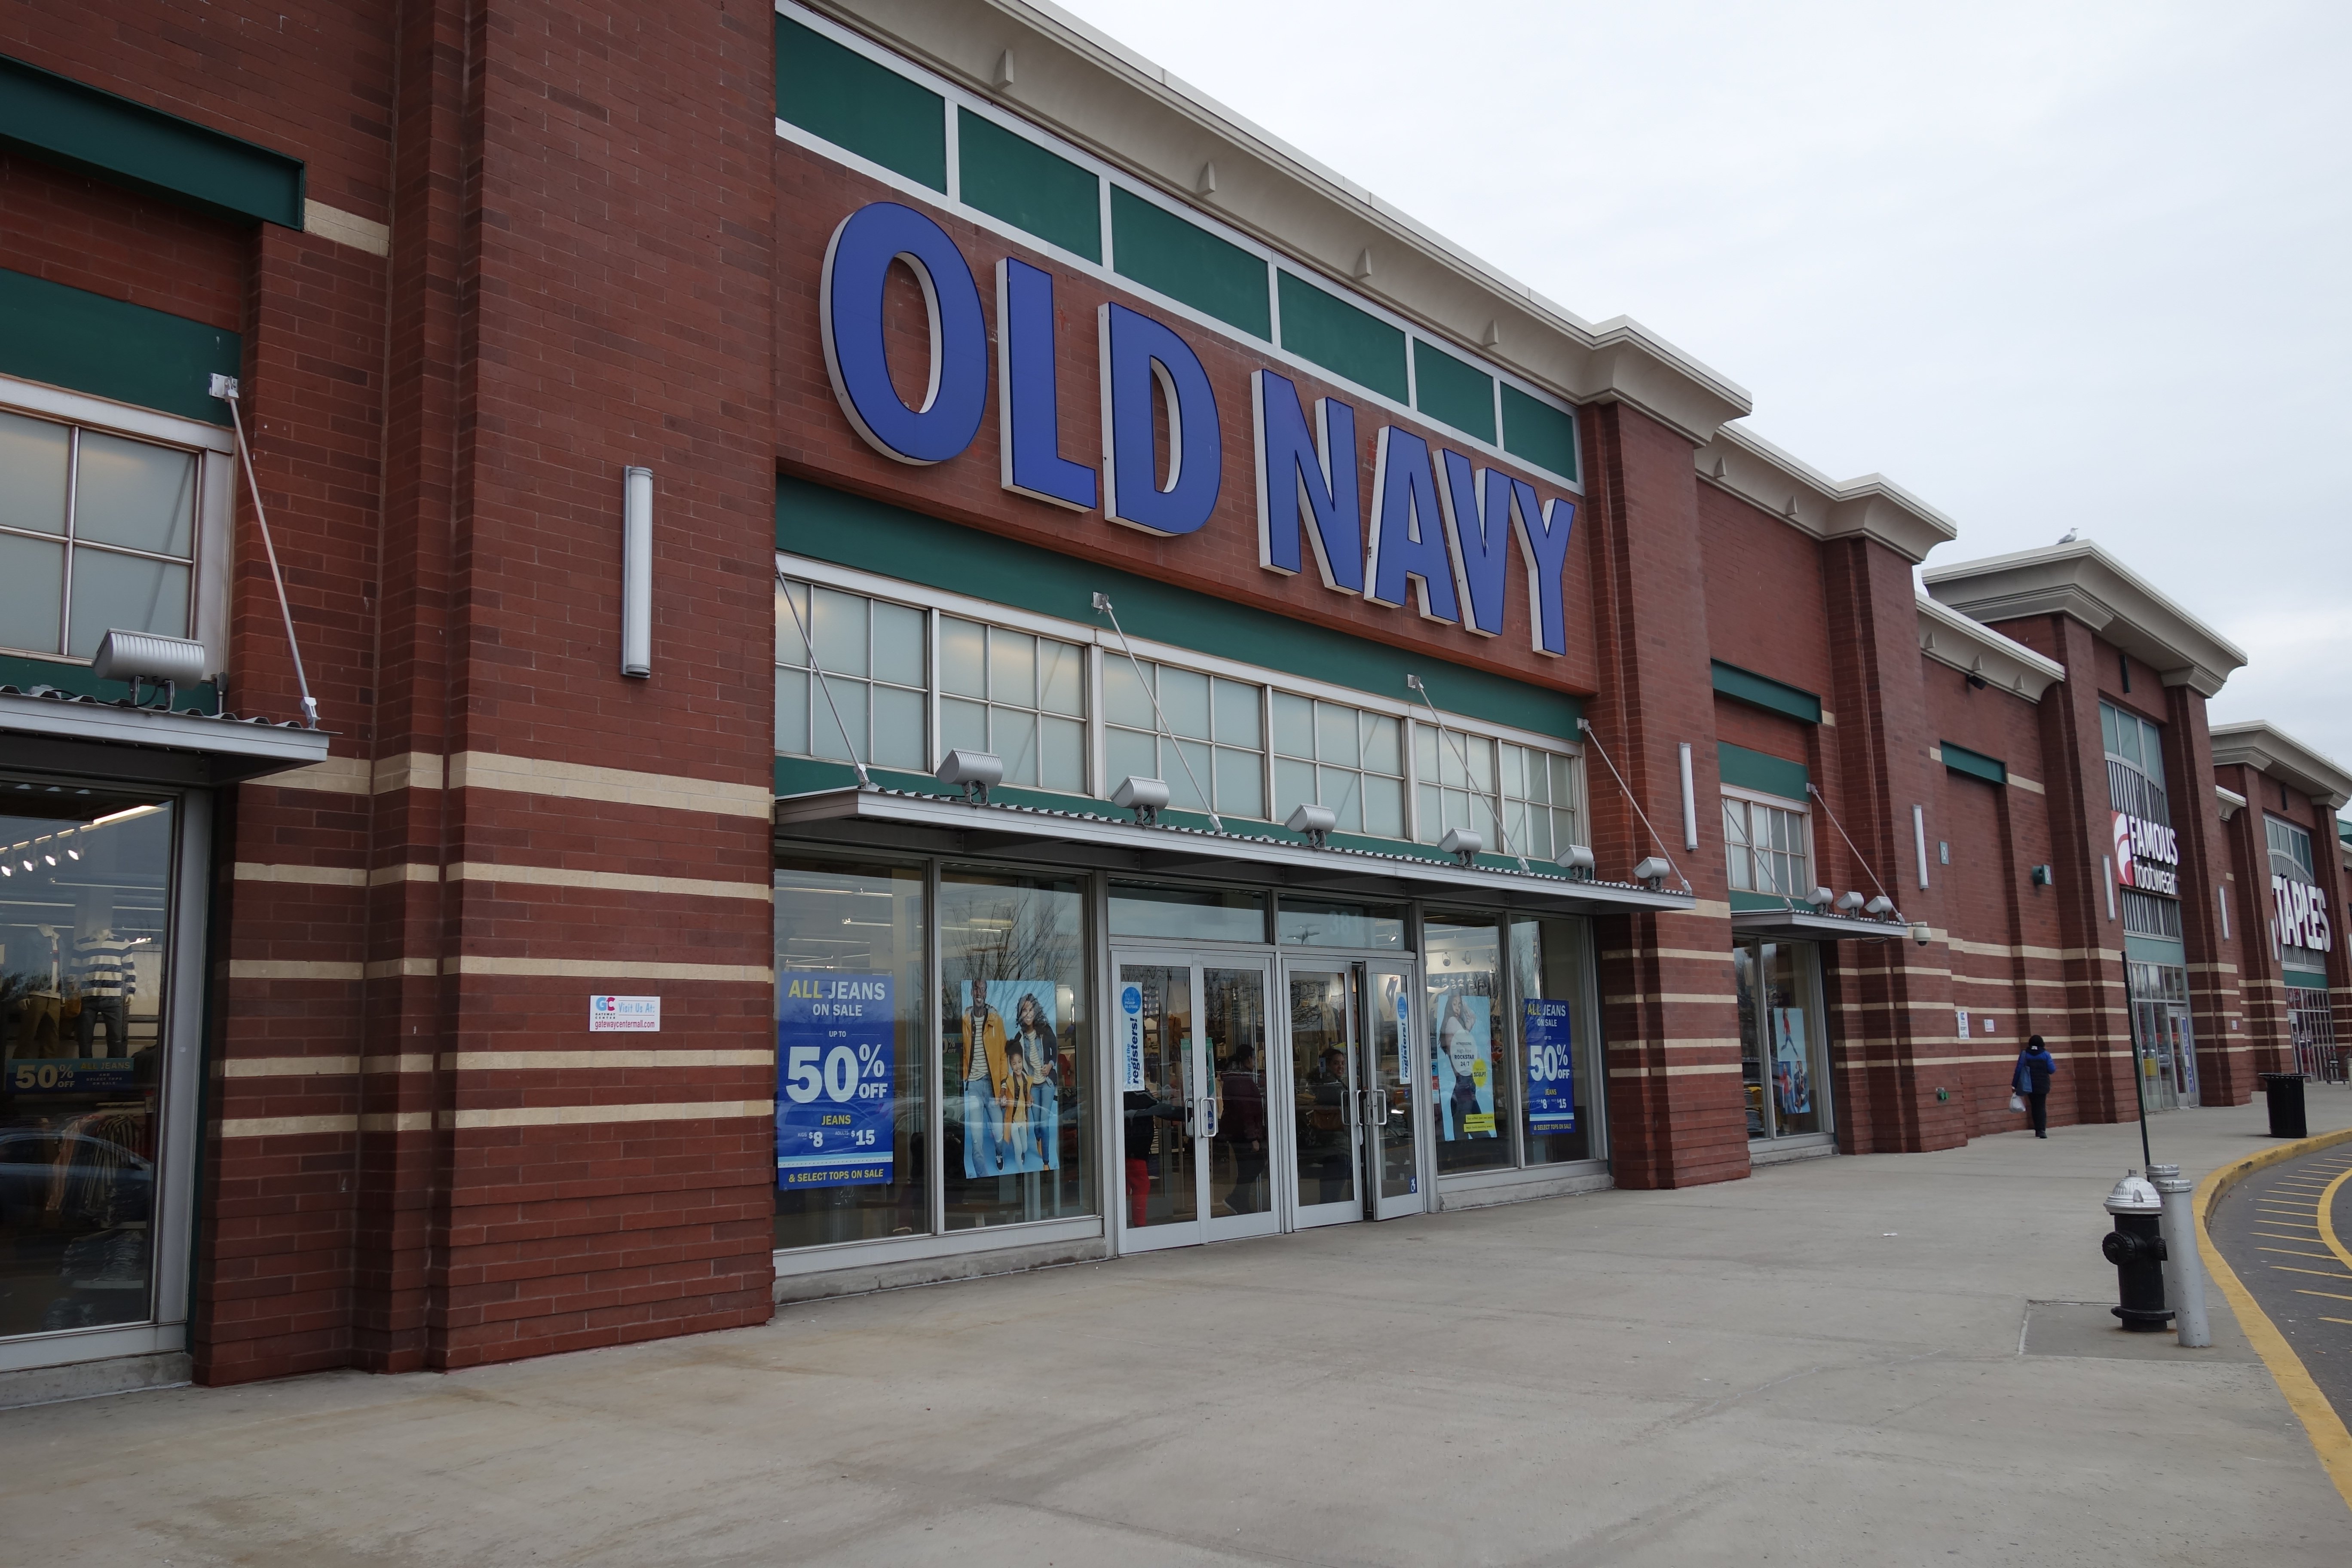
x=2284, y=1091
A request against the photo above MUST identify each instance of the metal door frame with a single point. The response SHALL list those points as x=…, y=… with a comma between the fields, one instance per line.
x=1296, y=1215
x=1413, y=1041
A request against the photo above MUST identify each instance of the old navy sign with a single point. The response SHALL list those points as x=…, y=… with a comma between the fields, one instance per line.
x=1441, y=530
x=2147, y=854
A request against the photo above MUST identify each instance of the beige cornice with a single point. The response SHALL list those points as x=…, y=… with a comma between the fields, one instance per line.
x=1082, y=84
x=1873, y=506
x=1950, y=637
x=2081, y=580
x=2232, y=801
x=2271, y=751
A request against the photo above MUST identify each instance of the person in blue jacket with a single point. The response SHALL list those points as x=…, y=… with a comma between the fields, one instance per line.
x=2032, y=1079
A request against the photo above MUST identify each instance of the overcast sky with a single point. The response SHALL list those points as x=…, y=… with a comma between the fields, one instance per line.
x=2047, y=266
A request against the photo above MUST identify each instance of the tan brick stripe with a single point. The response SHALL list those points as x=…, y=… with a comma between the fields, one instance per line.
x=566, y=968
x=510, y=1116
x=530, y=775
x=486, y=871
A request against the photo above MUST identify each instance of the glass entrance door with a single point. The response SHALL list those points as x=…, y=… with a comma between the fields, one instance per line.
x=1326, y=1092
x=1394, y=1102
x=1197, y=1142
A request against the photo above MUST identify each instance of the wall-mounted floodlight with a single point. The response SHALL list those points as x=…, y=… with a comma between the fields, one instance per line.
x=1315, y=821
x=1822, y=898
x=1879, y=907
x=974, y=773
x=1462, y=844
x=1577, y=861
x=1652, y=870
x=137, y=657
x=1142, y=796
x=2042, y=876
x=1849, y=903
x=637, y=571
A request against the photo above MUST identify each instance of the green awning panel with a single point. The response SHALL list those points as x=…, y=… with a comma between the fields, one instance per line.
x=2155, y=949
x=61, y=120
x=1763, y=691
x=1767, y=775
x=1976, y=765
x=109, y=348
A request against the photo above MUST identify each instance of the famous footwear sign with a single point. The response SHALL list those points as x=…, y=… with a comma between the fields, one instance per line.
x=2147, y=854
x=1439, y=533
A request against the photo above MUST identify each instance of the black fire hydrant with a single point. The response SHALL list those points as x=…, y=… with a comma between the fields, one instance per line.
x=2136, y=1246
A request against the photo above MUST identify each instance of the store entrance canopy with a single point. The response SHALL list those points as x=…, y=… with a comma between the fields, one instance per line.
x=1082, y=841
x=1802, y=920
x=58, y=733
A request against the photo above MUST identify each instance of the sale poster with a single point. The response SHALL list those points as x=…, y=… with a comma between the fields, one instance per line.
x=1793, y=1078
x=1551, y=1089
x=835, y=1079
x=1012, y=1078
x=1462, y=1068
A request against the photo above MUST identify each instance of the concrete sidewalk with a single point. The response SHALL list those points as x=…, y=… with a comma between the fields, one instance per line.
x=1821, y=1364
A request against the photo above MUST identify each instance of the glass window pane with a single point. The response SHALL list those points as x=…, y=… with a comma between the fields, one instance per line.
x=842, y=716
x=1128, y=753
x=1383, y=806
x=1341, y=790
x=1061, y=677
x=963, y=726
x=898, y=644
x=839, y=625
x=34, y=454
x=1016, y=1112
x=1188, y=773
x=898, y=729
x=125, y=591
x=85, y=1008
x=1424, y=753
x=136, y=494
x=1547, y=965
x=1515, y=771
x=1294, y=786
x=32, y=589
x=1062, y=755
x=1429, y=822
x=1011, y=666
x=841, y=926
x=1472, y=1103
x=1186, y=914
x=1237, y=714
x=2107, y=726
x=2151, y=752
x=1126, y=699
x=1383, y=754
x=963, y=657
x=1482, y=763
x=1315, y=922
x=790, y=650
x=1241, y=782
x=1294, y=725
x=1335, y=735
x=1014, y=733
x=1184, y=702
x=791, y=712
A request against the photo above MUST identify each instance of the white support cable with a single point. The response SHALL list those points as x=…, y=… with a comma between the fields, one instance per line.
x=823, y=685
x=1102, y=602
x=1815, y=790
x=224, y=388
x=1502, y=839
x=1586, y=726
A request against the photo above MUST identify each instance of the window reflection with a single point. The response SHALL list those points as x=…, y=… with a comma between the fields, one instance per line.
x=1471, y=1100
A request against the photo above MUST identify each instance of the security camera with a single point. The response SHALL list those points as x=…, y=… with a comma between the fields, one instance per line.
x=1919, y=933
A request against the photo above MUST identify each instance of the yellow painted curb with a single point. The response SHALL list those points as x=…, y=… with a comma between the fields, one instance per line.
x=2320, y=1422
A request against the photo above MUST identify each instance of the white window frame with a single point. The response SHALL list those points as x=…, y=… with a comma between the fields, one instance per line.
x=1797, y=809
x=215, y=451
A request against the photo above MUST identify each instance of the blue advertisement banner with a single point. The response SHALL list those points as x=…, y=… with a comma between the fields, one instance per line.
x=1462, y=1068
x=835, y=1079
x=1551, y=1066
x=73, y=1075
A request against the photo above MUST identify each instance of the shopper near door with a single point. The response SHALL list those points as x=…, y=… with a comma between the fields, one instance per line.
x=2030, y=1081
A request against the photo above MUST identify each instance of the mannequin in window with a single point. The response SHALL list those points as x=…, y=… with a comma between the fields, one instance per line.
x=104, y=980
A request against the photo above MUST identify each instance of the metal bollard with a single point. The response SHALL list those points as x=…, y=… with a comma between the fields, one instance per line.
x=2184, y=1272
x=2136, y=1246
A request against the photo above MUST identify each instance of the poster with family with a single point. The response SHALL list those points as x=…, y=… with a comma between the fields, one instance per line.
x=1793, y=1080
x=1012, y=1078
x=1462, y=1072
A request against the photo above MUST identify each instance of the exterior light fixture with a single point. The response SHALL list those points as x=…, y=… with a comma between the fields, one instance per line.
x=1142, y=796
x=1880, y=906
x=1652, y=869
x=1849, y=901
x=1315, y=821
x=1463, y=845
x=2042, y=876
x=136, y=658
x=1822, y=898
x=1577, y=861
x=637, y=571
x=975, y=772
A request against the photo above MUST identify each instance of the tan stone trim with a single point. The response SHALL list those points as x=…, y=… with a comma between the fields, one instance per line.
x=291, y=969
x=1677, y=1069
x=1732, y=1044
x=2031, y=787
x=388, y=968
x=1998, y=950
x=610, y=881
x=336, y=775
x=575, y=781
x=2212, y=969
x=1638, y=998
x=397, y=1122
x=1705, y=909
x=413, y=1062
x=406, y=770
x=405, y=871
x=287, y=1126
x=586, y=1115
x=553, y=1061
x=284, y=1067
x=603, y=968
x=346, y=228
x=1700, y=954
x=307, y=876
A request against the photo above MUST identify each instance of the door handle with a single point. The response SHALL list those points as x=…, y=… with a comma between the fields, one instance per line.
x=1379, y=1101
x=1205, y=1117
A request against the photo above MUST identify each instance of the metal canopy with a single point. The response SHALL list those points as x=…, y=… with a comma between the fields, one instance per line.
x=1808, y=923
x=62, y=733
x=884, y=818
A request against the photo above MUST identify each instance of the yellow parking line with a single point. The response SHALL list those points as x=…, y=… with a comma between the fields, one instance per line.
x=2331, y=1295
x=2287, y=1252
x=2328, y=1223
x=2323, y=1273
x=2274, y=1237
x=2327, y=1320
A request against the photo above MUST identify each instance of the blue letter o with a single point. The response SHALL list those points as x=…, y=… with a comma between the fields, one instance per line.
x=856, y=265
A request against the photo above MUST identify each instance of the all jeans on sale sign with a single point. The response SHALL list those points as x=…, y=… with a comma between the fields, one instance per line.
x=835, y=1078
x=1551, y=1089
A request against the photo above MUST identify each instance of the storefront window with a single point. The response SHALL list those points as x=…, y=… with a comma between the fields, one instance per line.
x=1018, y=697
x=96, y=531
x=1470, y=1082
x=1547, y=987
x=852, y=1120
x=1013, y=1049
x=85, y=949
x=871, y=654
x=1764, y=848
x=1219, y=734
x=1457, y=784
x=1326, y=754
x=2312, y=1023
x=1317, y=923
x=1539, y=801
x=1780, y=1028
x=1186, y=914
